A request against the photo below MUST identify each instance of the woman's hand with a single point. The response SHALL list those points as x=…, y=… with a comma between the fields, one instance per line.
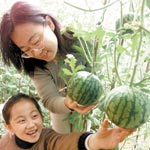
x=73, y=105
x=108, y=138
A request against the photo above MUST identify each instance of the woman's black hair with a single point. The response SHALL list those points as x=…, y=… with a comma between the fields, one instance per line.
x=22, y=12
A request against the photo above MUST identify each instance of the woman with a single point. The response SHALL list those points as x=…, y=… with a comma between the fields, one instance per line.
x=23, y=119
x=32, y=42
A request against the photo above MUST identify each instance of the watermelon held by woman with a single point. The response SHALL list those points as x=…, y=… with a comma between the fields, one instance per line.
x=85, y=88
x=127, y=107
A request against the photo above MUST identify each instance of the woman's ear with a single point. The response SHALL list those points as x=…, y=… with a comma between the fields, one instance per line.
x=50, y=23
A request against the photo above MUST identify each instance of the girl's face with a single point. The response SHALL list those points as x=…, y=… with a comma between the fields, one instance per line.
x=36, y=40
x=25, y=121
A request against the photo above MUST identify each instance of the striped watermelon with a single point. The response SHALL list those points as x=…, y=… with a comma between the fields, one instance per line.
x=84, y=87
x=127, y=107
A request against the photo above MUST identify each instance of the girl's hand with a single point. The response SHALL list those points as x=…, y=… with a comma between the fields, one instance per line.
x=108, y=138
x=73, y=105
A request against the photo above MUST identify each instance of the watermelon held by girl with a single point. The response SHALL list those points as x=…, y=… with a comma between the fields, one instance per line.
x=127, y=107
x=85, y=88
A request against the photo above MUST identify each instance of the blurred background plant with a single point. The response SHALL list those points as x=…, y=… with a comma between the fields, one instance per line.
x=119, y=53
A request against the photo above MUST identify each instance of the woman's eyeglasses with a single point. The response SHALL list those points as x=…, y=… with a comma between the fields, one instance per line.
x=39, y=46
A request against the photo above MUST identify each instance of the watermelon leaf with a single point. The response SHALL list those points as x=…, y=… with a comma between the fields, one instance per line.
x=148, y=3
x=67, y=72
x=79, y=67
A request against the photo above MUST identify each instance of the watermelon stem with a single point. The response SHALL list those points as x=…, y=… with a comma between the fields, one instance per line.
x=121, y=43
x=137, y=137
x=115, y=64
x=95, y=47
x=88, y=57
x=87, y=53
x=92, y=10
x=108, y=74
x=139, y=45
x=144, y=29
x=84, y=122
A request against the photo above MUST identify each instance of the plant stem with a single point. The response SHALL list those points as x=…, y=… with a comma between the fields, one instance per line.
x=116, y=58
x=145, y=29
x=116, y=66
x=86, y=56
x=131, y=6
x=92, y=10
x=107, y=68
x=137, y=137
x=147, y=67
x=95, y=47
x=139, y=45
x=88, y=51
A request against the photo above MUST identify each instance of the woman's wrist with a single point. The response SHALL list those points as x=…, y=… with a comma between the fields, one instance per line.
x=66, y=104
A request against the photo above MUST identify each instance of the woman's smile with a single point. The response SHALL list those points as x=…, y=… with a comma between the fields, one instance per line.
x=38, y=41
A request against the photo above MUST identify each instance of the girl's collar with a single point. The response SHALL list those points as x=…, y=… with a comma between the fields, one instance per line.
x=23, y=144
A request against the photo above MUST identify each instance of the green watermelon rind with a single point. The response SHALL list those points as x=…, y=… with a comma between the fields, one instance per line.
x=84, y=87
x=127, y=107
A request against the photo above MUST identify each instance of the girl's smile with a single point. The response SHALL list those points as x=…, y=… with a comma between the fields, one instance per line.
x=25, y=121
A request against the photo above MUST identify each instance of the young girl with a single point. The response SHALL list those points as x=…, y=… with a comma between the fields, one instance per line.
x=31, y=40
x=23, y=119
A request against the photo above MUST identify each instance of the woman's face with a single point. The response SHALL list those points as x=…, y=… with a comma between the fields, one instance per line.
x=36, y=40
x=25, y=121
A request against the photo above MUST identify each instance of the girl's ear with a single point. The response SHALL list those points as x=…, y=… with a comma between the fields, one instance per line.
x=8, y=127
x=50, y=23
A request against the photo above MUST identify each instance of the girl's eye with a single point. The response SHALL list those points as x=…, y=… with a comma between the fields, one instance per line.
x=21, y=121
x=34, y=116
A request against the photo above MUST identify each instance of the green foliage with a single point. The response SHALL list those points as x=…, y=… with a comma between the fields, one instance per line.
x=46, y=115
x=12, y=82
x=73, y=67
x=2, y=128
x=116, y=58
x=148, y=3
x=124, y=24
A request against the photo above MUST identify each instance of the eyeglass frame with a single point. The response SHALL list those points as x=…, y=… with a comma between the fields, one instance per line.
x=25, y=55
